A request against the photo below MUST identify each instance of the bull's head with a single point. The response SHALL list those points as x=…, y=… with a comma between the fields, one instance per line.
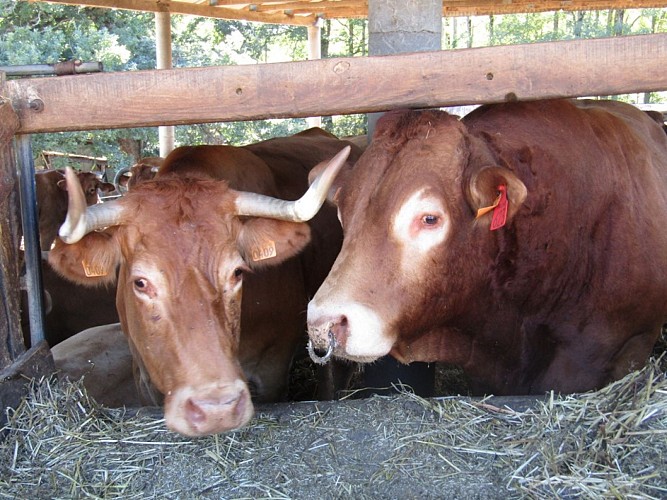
x=183, y=245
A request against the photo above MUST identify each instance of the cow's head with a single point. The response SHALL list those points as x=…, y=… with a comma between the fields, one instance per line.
x=411, y=237
x=183, y=245
x=91, y=185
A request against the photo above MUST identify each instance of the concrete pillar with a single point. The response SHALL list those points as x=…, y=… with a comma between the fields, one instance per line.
x=164, y=61
x=396, y=26
x=314, y=52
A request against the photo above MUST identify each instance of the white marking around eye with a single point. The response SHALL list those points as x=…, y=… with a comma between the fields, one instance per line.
x=415, y=239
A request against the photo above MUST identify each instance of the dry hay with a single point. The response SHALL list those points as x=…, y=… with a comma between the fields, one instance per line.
x=606, y=444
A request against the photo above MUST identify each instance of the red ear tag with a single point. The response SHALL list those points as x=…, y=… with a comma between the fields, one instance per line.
x=500, y=211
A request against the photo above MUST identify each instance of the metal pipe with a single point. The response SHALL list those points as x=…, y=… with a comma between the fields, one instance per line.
x=62, y=68
x=32, y=254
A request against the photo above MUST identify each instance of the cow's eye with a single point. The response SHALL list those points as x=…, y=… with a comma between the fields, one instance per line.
x=141, y=284
x=430, y=219
x=238, y=272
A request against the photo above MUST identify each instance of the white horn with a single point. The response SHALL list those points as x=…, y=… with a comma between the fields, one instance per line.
x=82, y=219
x=301, y=210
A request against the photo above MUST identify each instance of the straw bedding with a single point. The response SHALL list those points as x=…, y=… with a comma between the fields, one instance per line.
x=606, y=444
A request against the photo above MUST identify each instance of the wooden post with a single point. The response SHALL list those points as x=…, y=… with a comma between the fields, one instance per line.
x=17, y=366
x=164, y=61
x=314, y=52
x=11, y=339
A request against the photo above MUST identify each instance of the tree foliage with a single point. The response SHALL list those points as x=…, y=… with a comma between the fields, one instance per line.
x=33, y=33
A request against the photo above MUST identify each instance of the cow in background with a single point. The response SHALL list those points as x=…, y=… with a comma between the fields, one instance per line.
x=144, y=170
x=51, y=194
x=210, y=226
x=524, y=243
x=70, y=308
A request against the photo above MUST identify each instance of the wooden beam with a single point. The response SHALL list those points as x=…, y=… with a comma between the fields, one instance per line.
x=342, y=85
x=457, y=8
x=306, y=12
x=192, y=9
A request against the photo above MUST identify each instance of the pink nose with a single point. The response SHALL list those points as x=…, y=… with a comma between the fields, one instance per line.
x=324, y=331
x=212, y=410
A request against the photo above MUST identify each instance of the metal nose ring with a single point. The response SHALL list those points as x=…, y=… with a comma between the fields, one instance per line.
x=321, y=360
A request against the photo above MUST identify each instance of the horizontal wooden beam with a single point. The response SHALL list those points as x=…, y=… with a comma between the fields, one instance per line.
x=341, y=85
x=307, y=12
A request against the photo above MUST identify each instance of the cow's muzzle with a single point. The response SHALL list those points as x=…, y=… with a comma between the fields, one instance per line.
x=321, y=360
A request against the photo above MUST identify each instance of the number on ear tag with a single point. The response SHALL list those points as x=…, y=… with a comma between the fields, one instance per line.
x=93, y=271
x=266, y=251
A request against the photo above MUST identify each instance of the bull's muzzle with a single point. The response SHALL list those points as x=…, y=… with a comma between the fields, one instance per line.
x=321, y=360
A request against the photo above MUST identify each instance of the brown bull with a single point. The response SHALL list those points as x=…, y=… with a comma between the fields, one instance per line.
x=187, y=242
x=525, y=243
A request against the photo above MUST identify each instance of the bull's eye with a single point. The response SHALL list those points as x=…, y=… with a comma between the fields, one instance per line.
x=430, y=220
x=141, y=284
x=238, y=273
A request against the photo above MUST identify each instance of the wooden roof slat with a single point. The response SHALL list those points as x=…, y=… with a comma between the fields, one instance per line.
x=307, y=12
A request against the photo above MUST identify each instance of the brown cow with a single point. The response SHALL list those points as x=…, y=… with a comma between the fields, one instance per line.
x=186, y=242
x=525, y=243
x=51, y=194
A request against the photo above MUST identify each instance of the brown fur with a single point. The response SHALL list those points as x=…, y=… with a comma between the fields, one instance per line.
x=569, y=295
x=182, y=255
x=51, y=194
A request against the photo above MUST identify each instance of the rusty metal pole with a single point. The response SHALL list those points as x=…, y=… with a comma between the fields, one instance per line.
x=164, y=61
x=33, y=255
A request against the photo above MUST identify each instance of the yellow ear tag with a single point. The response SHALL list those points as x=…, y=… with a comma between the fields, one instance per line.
x=486, y=210
x=93, y=271
x=266, y=251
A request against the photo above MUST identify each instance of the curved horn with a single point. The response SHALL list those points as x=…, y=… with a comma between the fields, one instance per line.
x=301, y=210
x=82, y=219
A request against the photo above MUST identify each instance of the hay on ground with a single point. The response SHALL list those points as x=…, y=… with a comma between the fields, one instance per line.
x=607, y=444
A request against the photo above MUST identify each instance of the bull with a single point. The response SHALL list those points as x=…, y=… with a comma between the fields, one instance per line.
x=524, y=243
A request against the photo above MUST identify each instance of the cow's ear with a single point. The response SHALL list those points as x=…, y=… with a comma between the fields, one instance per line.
x=485, y=191
x=268, y=242
x=91, y=261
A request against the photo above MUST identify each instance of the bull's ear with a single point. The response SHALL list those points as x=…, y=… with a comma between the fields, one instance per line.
x=91, y=261
x=268, y=242
x=485, y=191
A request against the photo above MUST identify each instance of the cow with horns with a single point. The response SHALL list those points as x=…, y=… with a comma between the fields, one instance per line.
x=212, y=223
x=525, y=243
x=51, y=194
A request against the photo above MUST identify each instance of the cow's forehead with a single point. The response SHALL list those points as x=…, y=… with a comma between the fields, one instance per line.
x=192, y=220
x=431, y=157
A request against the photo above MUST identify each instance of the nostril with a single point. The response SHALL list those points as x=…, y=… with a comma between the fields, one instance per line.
x=194, y=412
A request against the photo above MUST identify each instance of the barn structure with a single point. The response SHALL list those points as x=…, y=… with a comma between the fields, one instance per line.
x=377, y=83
